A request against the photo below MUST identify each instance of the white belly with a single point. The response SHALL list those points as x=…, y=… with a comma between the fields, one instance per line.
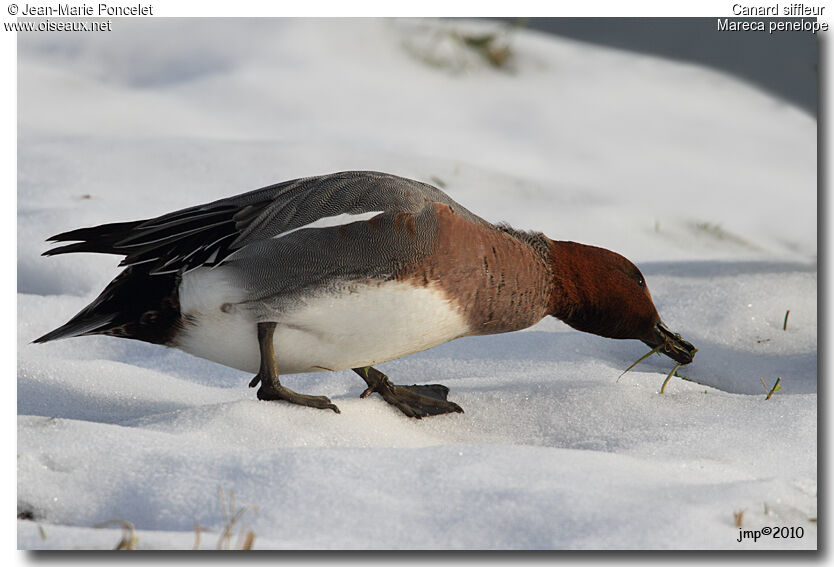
x=360, y=326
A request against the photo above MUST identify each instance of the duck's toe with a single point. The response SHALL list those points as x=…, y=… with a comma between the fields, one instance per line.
x=417, y=400
x=421, y=400
x=274, y=393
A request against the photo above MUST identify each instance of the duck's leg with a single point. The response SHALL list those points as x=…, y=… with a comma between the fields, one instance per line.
x=271, y=388
x=414, y=401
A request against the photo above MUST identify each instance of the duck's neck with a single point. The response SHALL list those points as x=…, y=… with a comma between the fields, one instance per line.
x=498, y=280
x=513, y=288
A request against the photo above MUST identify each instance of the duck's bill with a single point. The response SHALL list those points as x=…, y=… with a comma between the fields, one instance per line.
x=671, y=344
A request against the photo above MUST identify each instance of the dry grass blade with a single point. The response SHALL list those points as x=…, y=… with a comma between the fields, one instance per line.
x=246, y=544
x=198, y=530
x=225, y=540
x=669, y=377
x=129, y=537
x=641, y=359
x=785, y=324
x=738, y=518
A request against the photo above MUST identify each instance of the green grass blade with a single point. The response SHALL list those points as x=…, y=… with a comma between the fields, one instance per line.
x=669, y=377
x=641, y=359
x=776, y=388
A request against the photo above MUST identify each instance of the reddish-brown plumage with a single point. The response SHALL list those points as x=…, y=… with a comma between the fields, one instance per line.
x=406, y=220
x=501, y=283
x=504, y=280
x=598, y=291
x=497, y=282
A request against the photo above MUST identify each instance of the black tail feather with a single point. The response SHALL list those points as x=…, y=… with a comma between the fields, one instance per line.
x=101, y=239
x=77, y=326
x=180, y=240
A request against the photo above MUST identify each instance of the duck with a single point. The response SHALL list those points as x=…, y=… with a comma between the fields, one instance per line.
x=346, y=271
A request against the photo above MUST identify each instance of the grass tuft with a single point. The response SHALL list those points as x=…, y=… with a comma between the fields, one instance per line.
x=450, y=47
x=490, y=46
x=231, y=518
x=776, y=387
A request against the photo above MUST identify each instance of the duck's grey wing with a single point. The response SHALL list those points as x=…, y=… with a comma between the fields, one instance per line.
x=205, y=235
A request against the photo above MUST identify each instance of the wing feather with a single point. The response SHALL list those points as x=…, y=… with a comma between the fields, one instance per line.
x=205, y=235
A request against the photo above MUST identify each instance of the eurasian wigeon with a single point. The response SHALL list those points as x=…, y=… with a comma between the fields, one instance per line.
x=347, y=271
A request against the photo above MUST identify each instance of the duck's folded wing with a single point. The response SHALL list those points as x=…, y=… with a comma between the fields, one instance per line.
x=207, y=234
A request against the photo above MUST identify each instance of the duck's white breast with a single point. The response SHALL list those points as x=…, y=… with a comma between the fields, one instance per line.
x=359, y=324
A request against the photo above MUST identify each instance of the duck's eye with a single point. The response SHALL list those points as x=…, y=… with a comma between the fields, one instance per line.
x=635, y=275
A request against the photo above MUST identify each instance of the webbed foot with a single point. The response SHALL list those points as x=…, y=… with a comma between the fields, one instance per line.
x=279, y=392
x=414, y=401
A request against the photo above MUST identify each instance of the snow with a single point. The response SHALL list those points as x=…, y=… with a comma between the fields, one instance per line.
x=706, y=183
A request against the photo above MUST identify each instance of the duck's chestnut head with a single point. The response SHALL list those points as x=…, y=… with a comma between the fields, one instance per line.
x=599, y=291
